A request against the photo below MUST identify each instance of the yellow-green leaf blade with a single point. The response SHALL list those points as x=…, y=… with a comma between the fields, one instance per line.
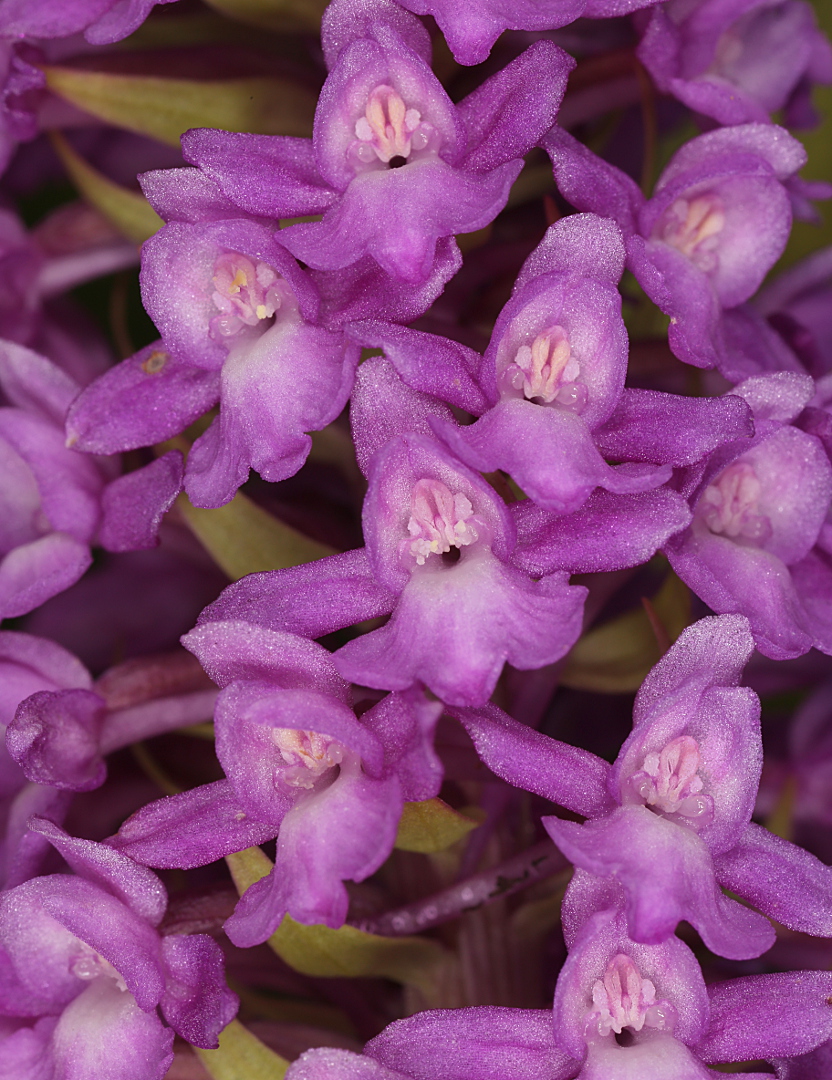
x=242, y=1056
x=165, y=107
x=347, y=952
x=431, y=826
x=242, y=538
x=129, y=211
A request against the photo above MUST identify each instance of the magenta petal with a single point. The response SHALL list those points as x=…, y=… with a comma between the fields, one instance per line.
x=130, y=943
x=668, y=875
x=139, y=888
x=133, y=505
x=247, y=715
x=197, y=1004
x=29, y=664
x=141, y=401
x=426, y=362
x=712, y=652
x=307, y=880
x=394, y=216
x=55, y=737
x=590, y=183
x=330, y=1064
x=549, y=452
x=266, y=409
x=768, y=1016
x=652, y=426
x=34, y=572
x=35, y=384
x=669, y=965
x=383, y=406
x=473, y=1044
x=364, y=291
x=731, y=578
x=241, y=650
x=609, y=532
x=313, y=599
x=101, y=1019
x=781, y=879
x=345, y=21
x=454, y=629
x=508, y=113
x=405, y=724
x=280, y=178
x=192, y=829
x=566, y=775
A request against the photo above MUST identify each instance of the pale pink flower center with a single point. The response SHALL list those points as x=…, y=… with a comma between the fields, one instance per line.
x=670, y=780
x=730, y=505
x=389, y=129
x=693, y=227
x=307, y=754
x=547, y=370
x=624, y=999
x=245, y=293
x=439, y=520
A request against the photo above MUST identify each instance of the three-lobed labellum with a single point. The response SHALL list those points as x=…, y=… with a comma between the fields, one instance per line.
x=730, y=506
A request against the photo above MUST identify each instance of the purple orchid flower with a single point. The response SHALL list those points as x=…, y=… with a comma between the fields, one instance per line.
x=88, y=1007
x=554, y=373
x=394, y=165
x=239, y=325
x=29, y=665
x=61, y=737
x=738, y=61
x=471, y=30
x=621, y=1009
x=719, y=218
x=56, y=501
x=103, y=21
x=301, y=767
x=759, y=540
x=439, y=558
x=669, y=822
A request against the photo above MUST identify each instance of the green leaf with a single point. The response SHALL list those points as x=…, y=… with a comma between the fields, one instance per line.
x=242, y=538
x=431, y=826
x=274, y=14
x=615, y=657
x=242, y=1056
x=347, y=952
x=129, y=211
x=165, y=107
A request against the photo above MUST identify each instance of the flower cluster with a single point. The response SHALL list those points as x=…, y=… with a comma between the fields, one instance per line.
x=469, y=411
